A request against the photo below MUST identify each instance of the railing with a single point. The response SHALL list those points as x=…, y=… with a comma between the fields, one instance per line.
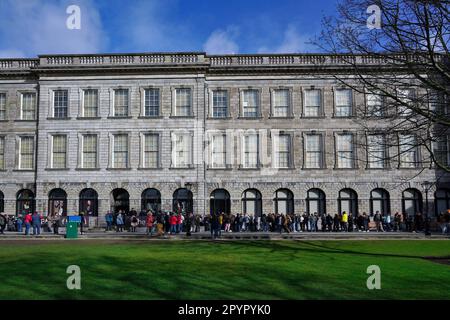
x=14, y=64
x=217, y=61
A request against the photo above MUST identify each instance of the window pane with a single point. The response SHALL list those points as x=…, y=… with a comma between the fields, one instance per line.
x=121, y=151
x=60, y=104
x=89, y=151
x=250, y=103
x=2, y=153
x=26, y=153
x=251, y=151
x=151, y=102
x=151, y=150
x=218, y=151
x=408, y=151
x=374, y=105
x=59, y=152
x=376, y=151
x=220, y=103
x=90, y=103
x=343, y=103
x=406, y=98
x=182, y=150
x=344, y=149
x=183, y=102
x=28, y=106
x=283, y=151
x=312, y=103
x=313, y=151
x=2, y=106
x=121, y=102
x=281, y=103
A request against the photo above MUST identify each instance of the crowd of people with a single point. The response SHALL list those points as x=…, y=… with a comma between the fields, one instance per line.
x=163, y=222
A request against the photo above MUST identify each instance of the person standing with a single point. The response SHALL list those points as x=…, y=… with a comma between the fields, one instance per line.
x=109, y=221
x=134, y=223
x=3, y=222
x=119, y=222
x=82, y=221
x=36, y=223
x=149, y=223
x=345, y=221
x=27, y=220
x=19, y=223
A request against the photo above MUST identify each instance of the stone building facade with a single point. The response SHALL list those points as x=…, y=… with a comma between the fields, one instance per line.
x=194, y=97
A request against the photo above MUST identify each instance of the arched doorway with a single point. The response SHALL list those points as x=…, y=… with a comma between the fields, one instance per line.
x=315, y=202
x=2, y=202
x=57, y=203
x=348, y=201
x=182, y=201
x=120, y=201
x=284, y=201
x=412, y=201
x=88, y=202
x=151, y=200
x=252, y=202
x=442, y=201
x=379, y=201
x=219, y=201
x=25, y=202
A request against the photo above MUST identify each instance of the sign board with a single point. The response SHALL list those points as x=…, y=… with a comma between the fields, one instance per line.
x=74, y=219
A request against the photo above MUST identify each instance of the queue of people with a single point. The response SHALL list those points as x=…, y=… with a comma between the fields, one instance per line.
x=171, y=223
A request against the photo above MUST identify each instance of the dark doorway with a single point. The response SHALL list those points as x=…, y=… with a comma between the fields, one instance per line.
x=182, y=201
x=219, y=201
x=120, y=200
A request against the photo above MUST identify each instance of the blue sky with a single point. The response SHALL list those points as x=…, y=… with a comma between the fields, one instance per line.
x=32, y=27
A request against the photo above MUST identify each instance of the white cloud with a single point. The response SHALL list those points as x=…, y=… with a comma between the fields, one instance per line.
x=29, y=28
x=222, y=41
x=293, y=42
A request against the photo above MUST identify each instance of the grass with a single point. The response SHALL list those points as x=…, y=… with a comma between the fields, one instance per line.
x=224, y=270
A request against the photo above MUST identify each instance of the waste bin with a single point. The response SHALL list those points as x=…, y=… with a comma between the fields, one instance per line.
x=71, y=230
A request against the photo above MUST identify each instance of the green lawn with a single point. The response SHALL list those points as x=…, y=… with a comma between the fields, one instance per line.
x=224, y=270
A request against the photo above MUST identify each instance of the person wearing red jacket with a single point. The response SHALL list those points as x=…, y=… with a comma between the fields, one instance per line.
x=149, y=223
x=173, y=223
x=27, y=220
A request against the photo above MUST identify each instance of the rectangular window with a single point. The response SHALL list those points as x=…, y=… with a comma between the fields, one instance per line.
x=441, y=150
x=438, y=104
x=312, y=103
x=89, y=151
x=408, y=151
x=283, y=151
x=2, y=106
x=151, y=150
x=151, y=102
x=251, y=150
x=344, y=151
x=406, y=97
x=60, y=104
x=183, y=100
x=182, y=150
x=281, y=99
x=376, y=151
x=313, y=151
x=2, y=153
x=121, y=102
x=220, y=103
x=120, y=151
x=28, y=107
x=343, y=98
x=90, y=103
x=374, y=105
x=59, y=149
x=250, y=103
x=218, y=154
x=26, y=155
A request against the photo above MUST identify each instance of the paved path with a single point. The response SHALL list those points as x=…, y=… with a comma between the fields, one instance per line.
x=235, y=236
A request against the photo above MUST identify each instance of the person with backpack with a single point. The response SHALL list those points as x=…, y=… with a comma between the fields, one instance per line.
x=109, y=221
x=19, y=223
x=27, y=221
x=134, y=223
